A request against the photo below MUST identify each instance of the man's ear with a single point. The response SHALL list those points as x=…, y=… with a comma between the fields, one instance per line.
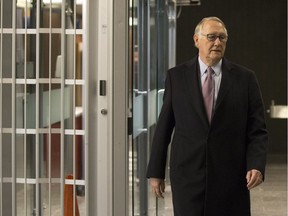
x=196, y=39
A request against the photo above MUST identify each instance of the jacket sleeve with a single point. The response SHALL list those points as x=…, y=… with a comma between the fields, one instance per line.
x=257, y=134
x=162, y=135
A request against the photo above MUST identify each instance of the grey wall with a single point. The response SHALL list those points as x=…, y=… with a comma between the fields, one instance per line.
x=257, y=39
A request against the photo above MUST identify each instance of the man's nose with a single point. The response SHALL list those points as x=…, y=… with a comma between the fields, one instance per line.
x=217, y=41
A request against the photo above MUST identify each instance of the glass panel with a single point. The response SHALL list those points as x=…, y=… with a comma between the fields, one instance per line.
x=44, y=53
x=45, y=12
x=7, y=106
x=56, y=198
x=55, y=15
x=69, y=156
x=25, y=191
x=7, y=202
x=30, y=56
x=70, y=14
x=70, y=59
x=149, y=63
x=50, y=100
x=31, y=199
x=73, y=7
x=20, y=199
x=20, y=105
x=79, y=13
x=30, y=106
x=26, y=11
x=31, y=156
x=55, y=56
x=6, y=155
x=7, y=14
x=7, y=56
x=43, y=155
x=55, y=154
x=20, y=162
x=46, y=139
x=79, y=160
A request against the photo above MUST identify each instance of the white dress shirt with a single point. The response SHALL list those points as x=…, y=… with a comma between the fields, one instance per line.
x=216, y=76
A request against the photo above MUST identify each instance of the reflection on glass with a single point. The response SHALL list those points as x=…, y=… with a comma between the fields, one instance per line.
x=25, y=191
x=6, y=155
x=20, y=198
x=69, y=156
x=25, y=69
x=31, y=152
x=20, y=162
x=55, y=197
x=7, y=63
x=45, y=56
x=30, y=107
x=7, y=14
x=79, y=158
x=6, y=203
x=50, y=12
x=55, y=57
x=70, y=59
x=25, y=13
x=7, y=106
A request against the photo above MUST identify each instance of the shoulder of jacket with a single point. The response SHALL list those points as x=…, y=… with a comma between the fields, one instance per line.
x=238, y=67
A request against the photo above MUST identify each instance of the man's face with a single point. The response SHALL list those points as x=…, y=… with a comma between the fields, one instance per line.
x=211, y=50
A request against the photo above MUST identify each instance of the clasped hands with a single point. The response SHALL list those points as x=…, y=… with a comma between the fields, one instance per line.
x=253, y=177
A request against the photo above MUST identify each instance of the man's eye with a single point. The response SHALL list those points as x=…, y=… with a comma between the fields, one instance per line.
x=211, y=37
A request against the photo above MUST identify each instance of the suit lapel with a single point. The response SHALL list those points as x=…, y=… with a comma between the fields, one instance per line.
x=193, y=85
x=226, y=82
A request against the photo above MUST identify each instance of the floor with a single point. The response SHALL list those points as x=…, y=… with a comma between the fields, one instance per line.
x=268, y=199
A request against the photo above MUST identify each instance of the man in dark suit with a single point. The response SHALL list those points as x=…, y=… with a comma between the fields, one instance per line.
x=217, y=155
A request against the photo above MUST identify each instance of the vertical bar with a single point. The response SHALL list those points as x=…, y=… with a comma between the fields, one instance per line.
x=104, y=72
x=73, y=110
x=25, y=113
x=1, y=102
x=120, y=105
x=144, y=70
x=49, y=111
x=37, y=165
x=13, y=168
x=87, y=102
x=63, y=58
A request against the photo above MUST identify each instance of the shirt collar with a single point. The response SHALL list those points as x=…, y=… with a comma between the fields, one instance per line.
x=216, y=68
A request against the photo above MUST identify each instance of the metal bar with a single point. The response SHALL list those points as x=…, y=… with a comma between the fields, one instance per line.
x=49, y=111
x=13, y=150
x=63, y=57
x=74, y=110
x=37, y=141
x=86, y=101
x=1, y=102
x=25, y=112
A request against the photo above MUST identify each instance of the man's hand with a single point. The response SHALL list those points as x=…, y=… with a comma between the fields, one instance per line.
x=158, y=186
x=254, y=178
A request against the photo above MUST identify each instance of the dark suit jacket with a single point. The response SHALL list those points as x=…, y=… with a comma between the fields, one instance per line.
x=208, y=163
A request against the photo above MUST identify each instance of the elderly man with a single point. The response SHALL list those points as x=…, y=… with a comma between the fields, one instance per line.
x=218, y=149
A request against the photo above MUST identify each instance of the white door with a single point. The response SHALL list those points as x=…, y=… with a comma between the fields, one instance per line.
x=47, y=108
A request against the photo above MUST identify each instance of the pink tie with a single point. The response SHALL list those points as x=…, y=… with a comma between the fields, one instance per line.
x=208, y=92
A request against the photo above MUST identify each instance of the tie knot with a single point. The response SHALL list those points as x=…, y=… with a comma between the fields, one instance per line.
x=210, y=71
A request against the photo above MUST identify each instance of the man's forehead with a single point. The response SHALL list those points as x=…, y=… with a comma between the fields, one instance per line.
x=213, y=24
